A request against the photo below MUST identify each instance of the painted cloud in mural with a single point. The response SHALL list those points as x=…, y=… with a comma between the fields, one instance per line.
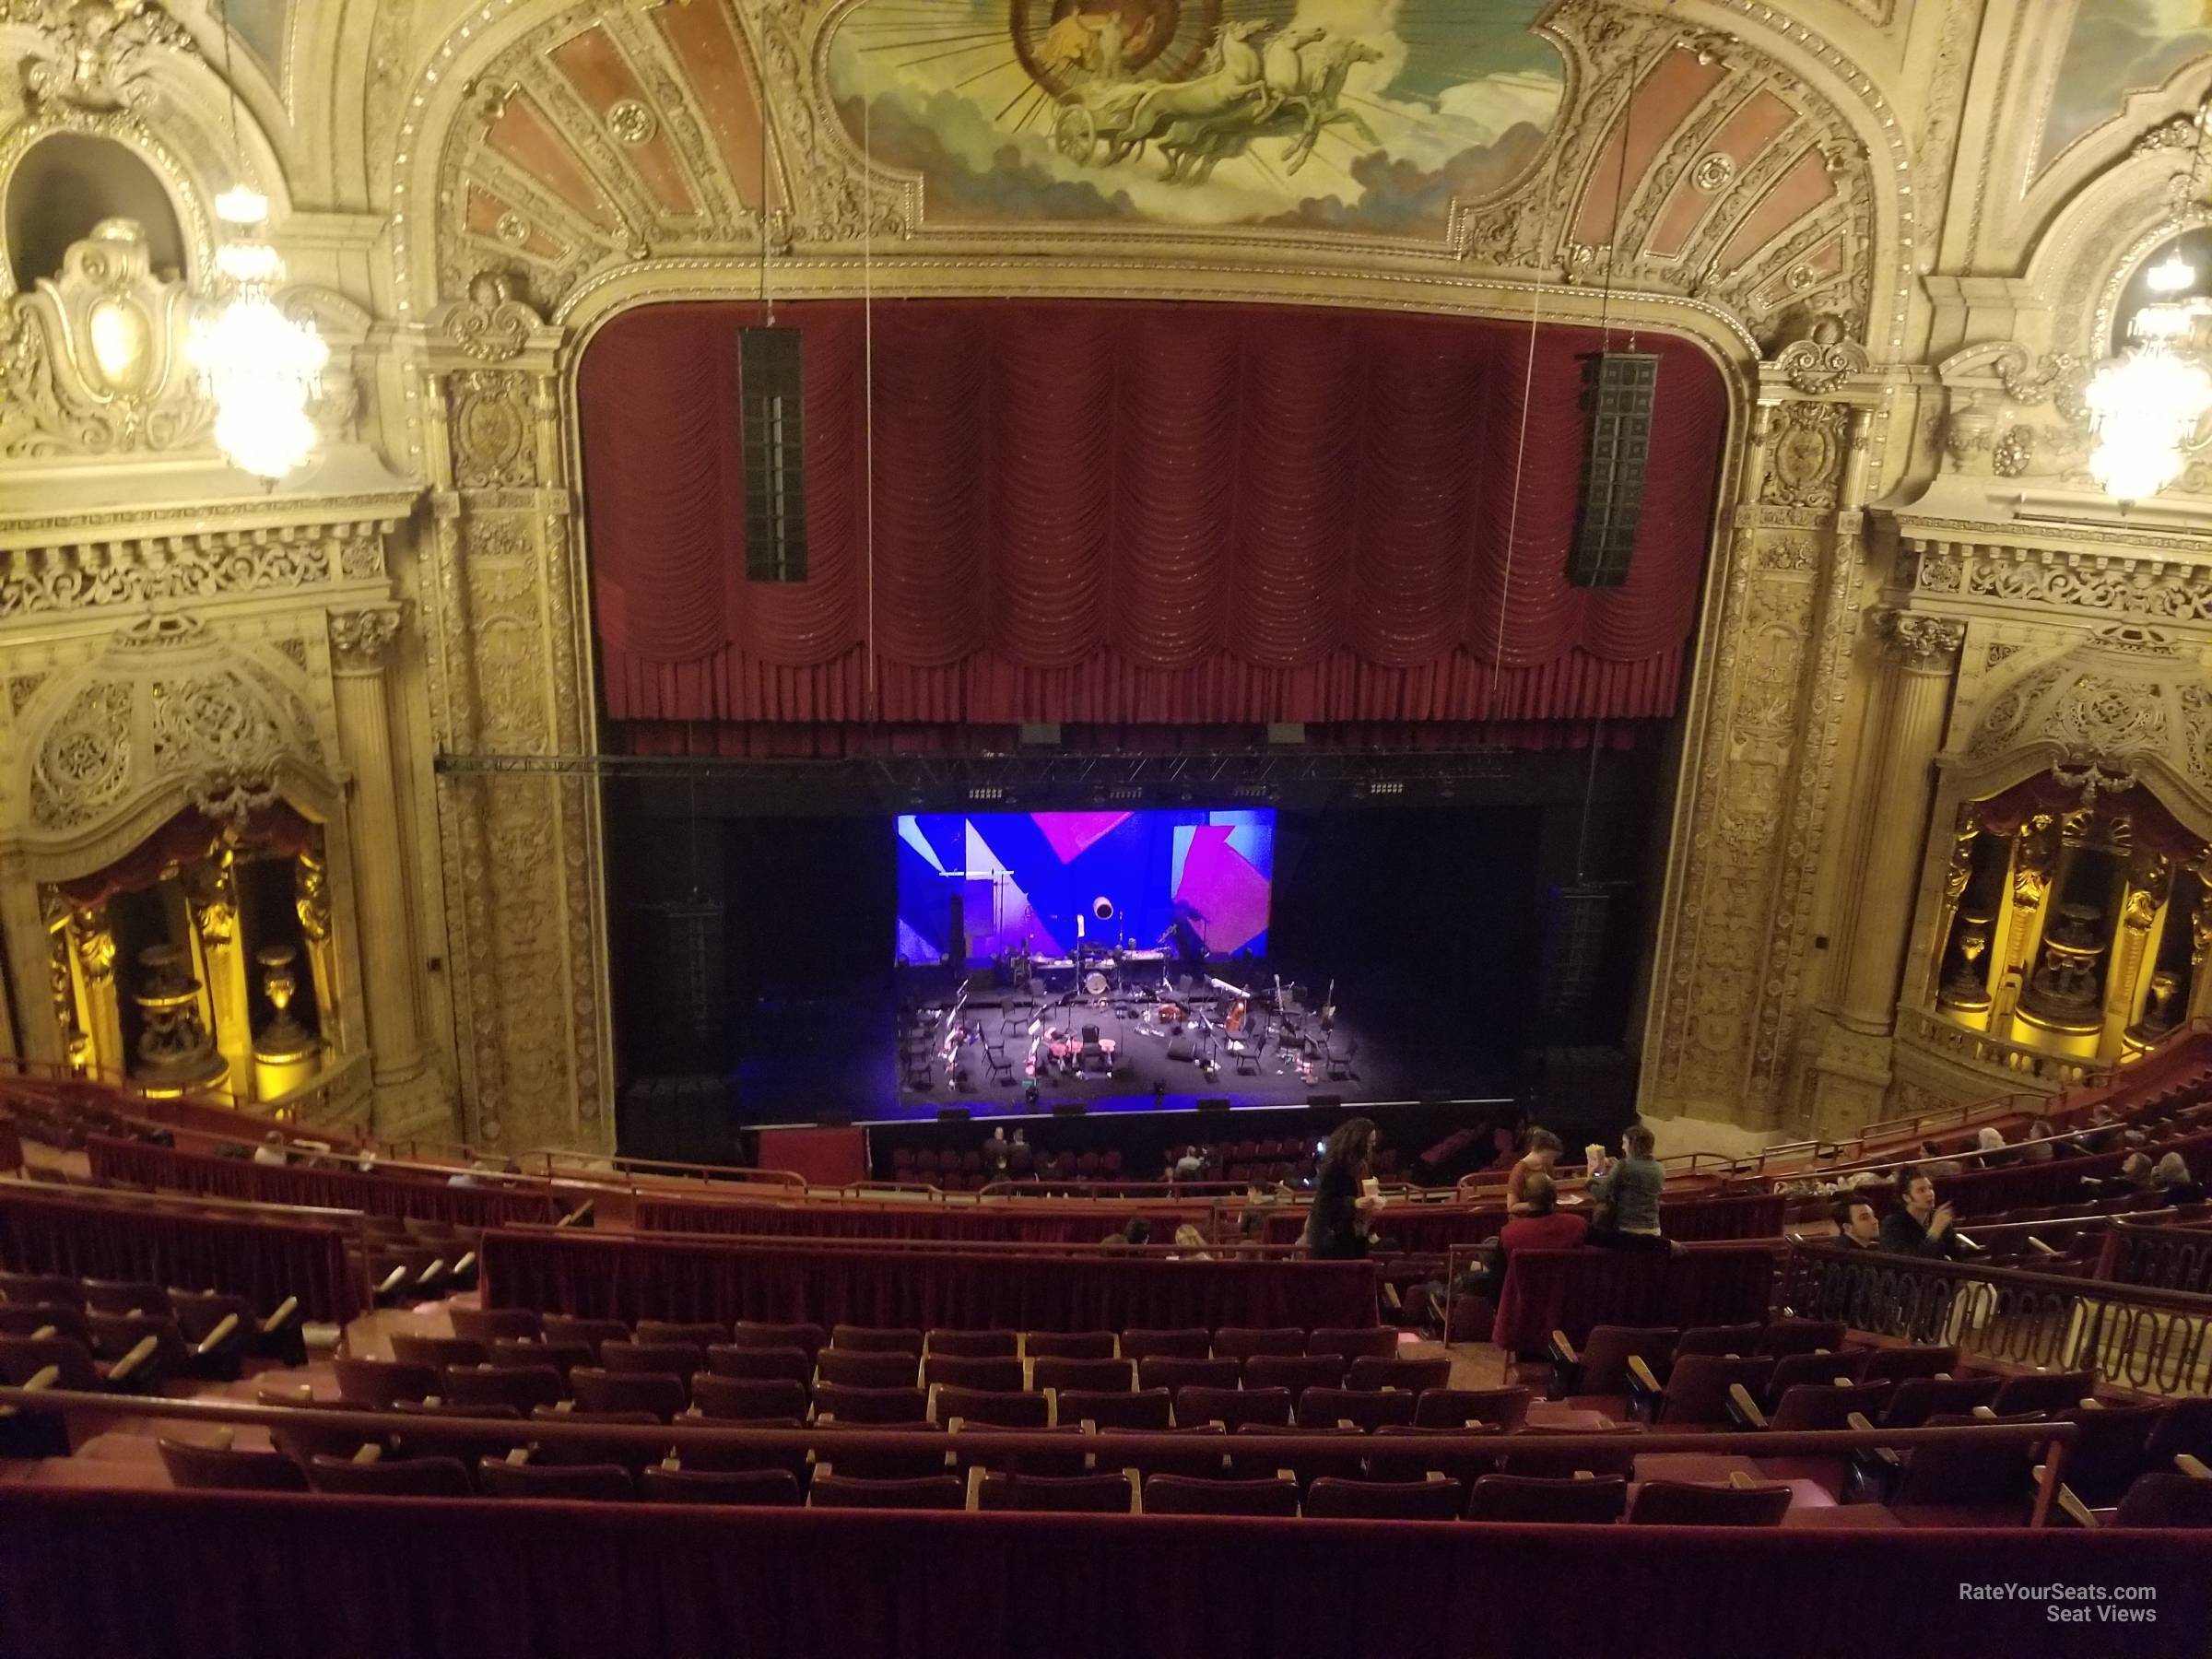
x=1363, y=114
x=2117, y=47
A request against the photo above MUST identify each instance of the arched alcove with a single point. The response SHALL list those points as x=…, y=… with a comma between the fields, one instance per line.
x=67, y=184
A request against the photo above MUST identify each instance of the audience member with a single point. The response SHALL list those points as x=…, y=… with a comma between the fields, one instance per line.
x=1136, y=1230
x=2037, y=1149
x=1990, y=1147
x=1190, y=1245
x=1541, y=1224
x=1544, y=1149
x=2134, y=1177
x=1918, y=1226
x=1857, y=1227
x=1337, y=1229
x=271, y=1150
x=2173, y=1178
x=1626, y=1192
x=1190, y=1166
x=998, y=1152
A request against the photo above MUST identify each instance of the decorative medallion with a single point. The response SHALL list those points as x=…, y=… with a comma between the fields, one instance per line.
x=630, y=122
x=1714, y=173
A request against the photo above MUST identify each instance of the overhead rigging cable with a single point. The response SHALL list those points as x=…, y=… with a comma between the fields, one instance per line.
x=867, y=391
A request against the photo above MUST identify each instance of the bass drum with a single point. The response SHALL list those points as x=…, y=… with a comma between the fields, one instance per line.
x=1095, y=984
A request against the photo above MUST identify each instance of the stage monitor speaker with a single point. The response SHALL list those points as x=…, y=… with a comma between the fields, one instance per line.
x=1325, y=1103
x=772, y=386
x=1286, y=731
x=1214, y=1104
x=834, y=1117
x=1069, y=1109
x=1041, y=733
x=952, y=1115
x=1182, y=1048
x=1619, y=387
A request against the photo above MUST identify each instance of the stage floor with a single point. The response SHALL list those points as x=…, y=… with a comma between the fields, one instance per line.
x=1155, y=1064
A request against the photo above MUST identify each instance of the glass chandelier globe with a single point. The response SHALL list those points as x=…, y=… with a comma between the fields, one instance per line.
x=262, y=368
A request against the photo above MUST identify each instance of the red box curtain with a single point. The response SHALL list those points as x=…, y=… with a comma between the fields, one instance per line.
x=1119, y=512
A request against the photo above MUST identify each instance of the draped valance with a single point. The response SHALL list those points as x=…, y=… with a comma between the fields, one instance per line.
x=1108, y=512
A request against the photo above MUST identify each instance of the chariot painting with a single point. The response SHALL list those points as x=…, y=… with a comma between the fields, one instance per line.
x=1364, y=115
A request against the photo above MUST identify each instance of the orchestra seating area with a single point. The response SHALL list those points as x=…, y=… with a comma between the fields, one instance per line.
x=344, y=1359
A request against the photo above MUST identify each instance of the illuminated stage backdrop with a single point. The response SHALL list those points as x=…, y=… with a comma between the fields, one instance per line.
x=1026, y=877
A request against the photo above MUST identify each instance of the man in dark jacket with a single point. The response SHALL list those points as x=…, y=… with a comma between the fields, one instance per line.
x=1919, y=1226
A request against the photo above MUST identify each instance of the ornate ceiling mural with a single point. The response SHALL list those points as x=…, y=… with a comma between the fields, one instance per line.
x=2117, y=47
x=1368, y=114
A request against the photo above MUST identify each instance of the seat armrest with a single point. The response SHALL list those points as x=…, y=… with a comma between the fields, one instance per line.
x=393, y=1280
x=134, y=1362
x=286, y=1310
x=1985, y=1414
x=1563, y=1349
x=47, y=1376
x=2074, y=1509
x=225, y=1328
x=975, y=1486
x=1644, y=1387
x=2192, y=1466
x=1741, y=1480
x=1744, y=1408
x=44, y=1334
x=464, y=1263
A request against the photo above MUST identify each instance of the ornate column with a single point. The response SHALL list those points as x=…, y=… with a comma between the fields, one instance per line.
x=1850, y=1071
x=1919, y=656
x=212, y=889
x=359, y=643
x=95, y=943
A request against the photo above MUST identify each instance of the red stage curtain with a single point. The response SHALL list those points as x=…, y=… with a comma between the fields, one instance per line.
x=672, y=1278
x=1571, y=1290
x=388, y=1193
x=2155, y=828
x=186, y=839
x=262, y=1261
x=197, y=1575
x=1118, y=513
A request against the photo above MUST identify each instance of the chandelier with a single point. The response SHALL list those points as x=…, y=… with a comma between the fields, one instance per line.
x=262, y=368
x=2145, y=405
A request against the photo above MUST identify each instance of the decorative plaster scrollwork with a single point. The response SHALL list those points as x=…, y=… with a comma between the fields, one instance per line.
x=1805, y=459
x=495, y=439
x=92, y=55
x=164, y=569
x=92, y=362
x=1926, y=644
x=1823, y=361
x=492, y=324
x=2177, y=134
x=169, y=703
x=359, y=641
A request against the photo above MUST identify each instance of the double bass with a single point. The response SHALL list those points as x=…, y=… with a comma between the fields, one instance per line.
x=1234, y=1022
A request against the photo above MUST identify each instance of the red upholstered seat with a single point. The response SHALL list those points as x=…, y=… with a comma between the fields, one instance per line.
x=1377, y=1342
x=877, y=1340
x=850, y=1405
x=1115, y=1408
x=1172, y=1371
x=1000, y=1374
x=1330, y=1497
x=1600, y=1499
x=1452, y=1408
x=1297, y=1374
x=1088, y=1376
x=862, y=1368
x=1089, y=1494
x=1189, y=1495
x=1069, y=1345
x=1232, y=1407
x=403, y=1478
x=748, y=1333
x=221, y=1468
x=974, y=1345
x=1180, y=1343
x=791, y=1364
x=1233, y=1342
x=750, y=1487
x=1412, y=1375
x=598, y=1482
x=994, y=1407
x=1363, y=1407
x=747, y=1397
x=1689, y=1503
x=519, y=1387
x=924, y=1492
